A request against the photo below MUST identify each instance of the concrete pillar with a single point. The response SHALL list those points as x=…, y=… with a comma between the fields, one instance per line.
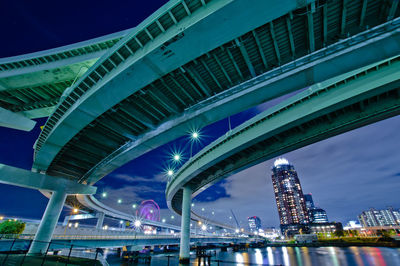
x=184, y=252
x=48, y=223
x=100, y=220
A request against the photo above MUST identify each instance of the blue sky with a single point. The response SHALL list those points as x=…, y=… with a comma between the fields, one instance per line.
x=346, y=174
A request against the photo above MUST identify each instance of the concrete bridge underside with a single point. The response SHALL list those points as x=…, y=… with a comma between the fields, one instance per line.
x=359, y=98
x=142, y=104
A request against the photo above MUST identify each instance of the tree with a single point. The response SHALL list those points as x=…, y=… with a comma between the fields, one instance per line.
x=12, y=227
x=338, y=233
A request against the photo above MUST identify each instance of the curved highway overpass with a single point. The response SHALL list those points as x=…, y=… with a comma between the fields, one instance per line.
x=349, y=101
x=193, y=64
x=32, y=84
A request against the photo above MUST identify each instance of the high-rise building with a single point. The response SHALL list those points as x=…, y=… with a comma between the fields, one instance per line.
x=289, y=197
x=254, y=223
x=309, y=201
x=374, y=217
x=318, y=215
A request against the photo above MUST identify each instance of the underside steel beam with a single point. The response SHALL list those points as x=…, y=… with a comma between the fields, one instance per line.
x=276, y=47
x=246, y=57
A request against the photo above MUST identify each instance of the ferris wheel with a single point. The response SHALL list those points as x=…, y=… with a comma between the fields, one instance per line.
x=149, y=210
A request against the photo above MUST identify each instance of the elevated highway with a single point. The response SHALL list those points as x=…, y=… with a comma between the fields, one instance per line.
x=338, y=105
x=32, y=84
x=151, y=88
x=192, y=63
x=90, y=242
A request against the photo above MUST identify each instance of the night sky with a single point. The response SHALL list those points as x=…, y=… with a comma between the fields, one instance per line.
x=346, y=174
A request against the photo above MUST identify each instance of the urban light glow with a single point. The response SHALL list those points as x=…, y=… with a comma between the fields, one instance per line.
x=172, y=217
x=120, y=201
x=104, y=194
x=170, y=172
x=163, y=220
x=177, y=157
x=195, y=135
x=281, y=161
x=137, y=223
x=134, y=206
x=204, y=227
x=75, y=210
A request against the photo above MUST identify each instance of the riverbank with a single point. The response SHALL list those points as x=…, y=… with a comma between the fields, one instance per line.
x=342, y=242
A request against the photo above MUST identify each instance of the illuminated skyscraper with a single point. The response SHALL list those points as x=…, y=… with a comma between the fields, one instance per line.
x=289, y=196
x=309, y=201
x=254, y=223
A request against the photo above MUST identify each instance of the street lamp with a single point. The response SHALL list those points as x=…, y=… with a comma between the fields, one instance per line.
x=176, y=157
x=119, y=201
x=194, y=136
x=75, y=210
x=104, y=194
x=137, y=223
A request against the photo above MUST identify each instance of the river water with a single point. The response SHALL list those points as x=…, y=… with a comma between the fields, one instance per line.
x=296, y=256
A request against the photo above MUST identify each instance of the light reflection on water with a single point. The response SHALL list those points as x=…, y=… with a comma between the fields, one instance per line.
x=295, y=256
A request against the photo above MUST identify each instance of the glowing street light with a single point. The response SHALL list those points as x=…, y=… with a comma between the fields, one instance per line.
x=212, y=213
x=237, y=231
x=119, y=201
x=204, y=227
x=75, y=210
x=192, y=204
x=76, y=225
x=202, y=209
x=195, y=135
x=137, y=223
x=170, y=172
x=104, y=194
x=134, y=206
x=163, y=220
x=1, y=218
x=172, y=217
x=177, y=157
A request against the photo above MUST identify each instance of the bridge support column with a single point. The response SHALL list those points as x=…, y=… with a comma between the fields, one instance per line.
x=184, y=252
x=100, y=220
x=48, y=223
